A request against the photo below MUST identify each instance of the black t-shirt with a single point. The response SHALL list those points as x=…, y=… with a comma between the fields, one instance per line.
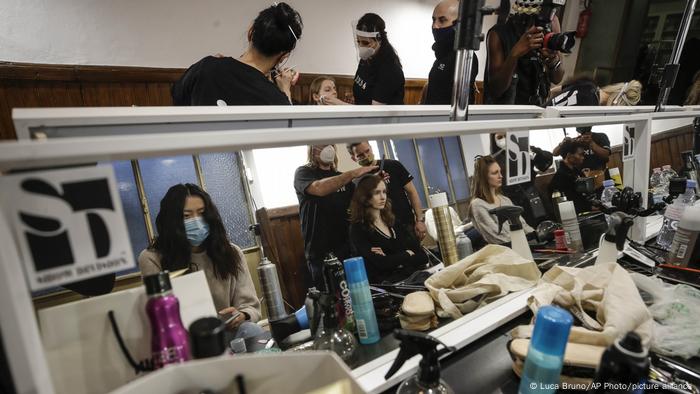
x=564, y=180
x=582, y=92
x=227, y=79
x=380, y=80
x=590, y=160
x=324, y=220
x=442, y=77
x=398, y=178
x=396, y=264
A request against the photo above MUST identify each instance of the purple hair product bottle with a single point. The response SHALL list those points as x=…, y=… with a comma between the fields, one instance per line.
x=169, y=339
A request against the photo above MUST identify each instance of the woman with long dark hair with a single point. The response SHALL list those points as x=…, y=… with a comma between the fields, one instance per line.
x=379, y=78
x=258, y=76
x=486, y=189
x=191, y=235
x=390, y=253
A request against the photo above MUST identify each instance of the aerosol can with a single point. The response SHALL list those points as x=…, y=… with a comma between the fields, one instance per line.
x=427, y=379
x=518, y=240
x=272, y=292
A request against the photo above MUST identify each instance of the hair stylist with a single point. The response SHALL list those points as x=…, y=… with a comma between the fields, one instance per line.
x=486, y=186
x=324, y=198
x=379, y=78
x=249, y=79
x=192, y=236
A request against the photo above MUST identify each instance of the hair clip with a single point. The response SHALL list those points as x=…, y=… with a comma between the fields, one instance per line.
x=619, y=95
x=293, y=34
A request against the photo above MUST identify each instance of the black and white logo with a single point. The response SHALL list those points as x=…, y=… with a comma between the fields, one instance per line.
x=518, y=154
x=628, y=143
x=68, y=223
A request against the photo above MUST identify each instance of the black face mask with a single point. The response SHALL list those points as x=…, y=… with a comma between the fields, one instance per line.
x=444, y=40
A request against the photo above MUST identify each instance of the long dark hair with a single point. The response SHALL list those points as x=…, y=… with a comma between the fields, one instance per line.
x=360, y=206
x=374, y=23
x=276, y=29
x=172, y=243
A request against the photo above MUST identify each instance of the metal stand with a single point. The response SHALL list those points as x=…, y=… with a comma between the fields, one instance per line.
x=671, y=69
x=467, y=40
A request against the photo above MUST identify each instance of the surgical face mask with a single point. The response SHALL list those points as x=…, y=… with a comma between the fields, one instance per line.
x=444, y=34
x=327, y=155
x=197, y=230
x=367, y=161
x=366, y=52
x=501, y=142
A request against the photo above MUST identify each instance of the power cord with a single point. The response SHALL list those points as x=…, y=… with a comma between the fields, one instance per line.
x=144, y=365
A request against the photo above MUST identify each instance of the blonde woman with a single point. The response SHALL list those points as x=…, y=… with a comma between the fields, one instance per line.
x=322, y=91
x=583, y=91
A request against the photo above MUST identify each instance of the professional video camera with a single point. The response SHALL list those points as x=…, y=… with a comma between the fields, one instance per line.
x=563, y=42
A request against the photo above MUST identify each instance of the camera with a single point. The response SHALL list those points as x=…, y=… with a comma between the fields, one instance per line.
x=562, y=42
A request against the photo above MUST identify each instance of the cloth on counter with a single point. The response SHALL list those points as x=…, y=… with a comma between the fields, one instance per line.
x=602, y=297
x=479, y=279
x=418, y=312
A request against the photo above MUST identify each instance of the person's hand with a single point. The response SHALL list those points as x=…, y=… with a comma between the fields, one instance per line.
x=550, y=57
x=420, y=230
x=385, y=175
x=332, y=101
x=377, y=250
x=410, y=252
x=586, y=139
x=358, y=172
x=284, y=79
x=531, y=39
x=227, y=312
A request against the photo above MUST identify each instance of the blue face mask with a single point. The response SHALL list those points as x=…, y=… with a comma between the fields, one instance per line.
x=197, y=230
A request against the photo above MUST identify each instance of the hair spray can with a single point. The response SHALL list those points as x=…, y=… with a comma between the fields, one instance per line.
x=272, y=292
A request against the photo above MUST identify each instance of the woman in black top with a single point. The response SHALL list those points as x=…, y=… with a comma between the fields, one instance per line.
x=390, y=253
x=247, y=80
x=379, y=78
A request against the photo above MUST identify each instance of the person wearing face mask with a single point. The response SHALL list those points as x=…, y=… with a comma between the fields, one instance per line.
x=322, y=91
x=192, y=236
x=390, y=253
x=248, y=80
x=405, y=202
x=486, y=189
x=379, y=77
x=324, y=196
x=441, y=77
x=572, y=153
x=526, y=195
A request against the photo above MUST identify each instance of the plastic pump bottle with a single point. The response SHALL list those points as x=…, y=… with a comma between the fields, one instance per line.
x=518, y=240
x=545, y=356
x=427, y=379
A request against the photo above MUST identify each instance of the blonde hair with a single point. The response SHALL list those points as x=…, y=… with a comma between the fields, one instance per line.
x=315, y=87
x=623, y=93
x=310, y=162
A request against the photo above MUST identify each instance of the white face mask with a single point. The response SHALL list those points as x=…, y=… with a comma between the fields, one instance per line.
x=327, y=155
x=501, y=142
x=366, y=52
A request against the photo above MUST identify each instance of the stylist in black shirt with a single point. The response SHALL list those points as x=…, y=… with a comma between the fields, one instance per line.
x=379, y=78
x=247, y=80
x=564, y=180
x=324, y=199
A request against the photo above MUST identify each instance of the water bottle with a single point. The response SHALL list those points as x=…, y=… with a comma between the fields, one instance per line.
x=655, y=185
x=673, y=215
x=545, y=356
x=363, y=308
x=607, y=196
x=169, y=339
x=464, y=246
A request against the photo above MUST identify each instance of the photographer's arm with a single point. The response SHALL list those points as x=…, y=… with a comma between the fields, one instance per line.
x=501, y=68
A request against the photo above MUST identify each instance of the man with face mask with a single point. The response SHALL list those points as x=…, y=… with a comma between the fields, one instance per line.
x=324, y=199
x=441, y=77
x=404, y=198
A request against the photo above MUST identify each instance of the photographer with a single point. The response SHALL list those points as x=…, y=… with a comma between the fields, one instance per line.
x=568, y=172
x=519, y=70
x=596, y=153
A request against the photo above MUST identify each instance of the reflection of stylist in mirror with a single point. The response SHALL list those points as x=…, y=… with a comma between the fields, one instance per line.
x=192, y=235
x=486, y=186
x=390, y=253
x=379, y=78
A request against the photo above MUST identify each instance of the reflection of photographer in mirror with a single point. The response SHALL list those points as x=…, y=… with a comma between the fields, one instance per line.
x=379, y=77
x=521, y=65
x=247, y=80
x=486, y=189
x=324, y=196
x=524, y=194
x=596, y=153
x=564, y=180
x=390, y=253
x=322, y=91
x=192, y=235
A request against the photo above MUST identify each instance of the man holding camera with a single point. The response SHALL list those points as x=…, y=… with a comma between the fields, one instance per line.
x=521, y=64
x=564, y=180
x=596, y=153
